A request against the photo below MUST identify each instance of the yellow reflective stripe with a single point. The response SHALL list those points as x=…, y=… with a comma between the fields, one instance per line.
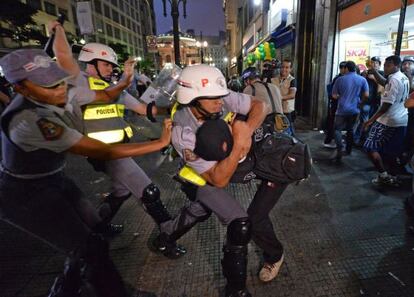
x=129, y=132
x=113, y=136
x=189, y=174
x=103, y=111
x=174, y=109
x=97, y=84
x=228, y=117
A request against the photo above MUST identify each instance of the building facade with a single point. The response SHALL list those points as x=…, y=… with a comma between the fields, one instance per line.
x=126, y=22
x=189, y=52
x=47, y=11
x=250, y=23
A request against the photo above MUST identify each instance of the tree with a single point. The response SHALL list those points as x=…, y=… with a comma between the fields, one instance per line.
x=20, y=26
x=121, y=50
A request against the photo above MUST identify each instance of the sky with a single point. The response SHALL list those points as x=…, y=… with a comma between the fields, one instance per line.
x=202, y=15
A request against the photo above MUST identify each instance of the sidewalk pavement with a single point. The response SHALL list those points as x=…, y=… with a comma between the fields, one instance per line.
x=342, y=237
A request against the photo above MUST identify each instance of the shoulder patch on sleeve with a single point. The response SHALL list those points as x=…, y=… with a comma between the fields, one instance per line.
x=50, y=130
x=189, y=155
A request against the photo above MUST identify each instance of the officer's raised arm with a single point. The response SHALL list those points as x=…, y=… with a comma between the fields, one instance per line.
x=62, y=50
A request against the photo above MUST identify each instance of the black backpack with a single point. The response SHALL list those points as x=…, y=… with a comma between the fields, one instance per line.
x=282, y=158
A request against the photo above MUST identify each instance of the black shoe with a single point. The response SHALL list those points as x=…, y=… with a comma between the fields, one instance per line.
x=238, y=293
x=169, y=249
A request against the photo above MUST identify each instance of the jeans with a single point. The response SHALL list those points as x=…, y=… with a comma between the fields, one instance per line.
x=291, y=117
x=359, y=134
x=263, y=233
x=344, y=122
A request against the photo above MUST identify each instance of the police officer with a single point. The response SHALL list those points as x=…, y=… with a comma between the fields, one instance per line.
x=35, y=194
x=105, y=122
x=202, y=95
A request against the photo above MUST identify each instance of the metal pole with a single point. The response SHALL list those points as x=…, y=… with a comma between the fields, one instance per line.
x=201, y=46
x=400, y=27
x=175, y=14
x=151, y=33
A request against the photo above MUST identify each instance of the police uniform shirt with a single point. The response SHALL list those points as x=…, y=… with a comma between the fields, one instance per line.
x=125, y=98
x=50, y=127
x=262, y=94
x=186, y=125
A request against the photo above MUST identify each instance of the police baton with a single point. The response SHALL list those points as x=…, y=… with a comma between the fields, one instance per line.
x=49, y=44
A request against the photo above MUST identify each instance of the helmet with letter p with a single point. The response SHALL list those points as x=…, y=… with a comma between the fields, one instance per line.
x=93, y=53
x=97, y=51
x=200, y=82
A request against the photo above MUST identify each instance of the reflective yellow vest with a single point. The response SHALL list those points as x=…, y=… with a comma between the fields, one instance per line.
x=105, y=122
x=187, y=173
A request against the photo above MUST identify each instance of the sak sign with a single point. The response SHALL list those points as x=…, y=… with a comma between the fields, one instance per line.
x=357, y=51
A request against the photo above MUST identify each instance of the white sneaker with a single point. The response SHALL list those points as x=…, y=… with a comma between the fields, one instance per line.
x=270, y=271
x=329, y=145
x=388, y=180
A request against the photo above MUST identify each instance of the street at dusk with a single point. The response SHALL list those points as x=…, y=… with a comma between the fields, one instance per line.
x=226, y=148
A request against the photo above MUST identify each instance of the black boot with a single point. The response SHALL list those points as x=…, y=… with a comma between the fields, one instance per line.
x=234, y=265
x=69, y=283
x=165, y=243
x=169, y=248
x=155, y=208
x=110, y=206
x=100, y=271
x=153, y=205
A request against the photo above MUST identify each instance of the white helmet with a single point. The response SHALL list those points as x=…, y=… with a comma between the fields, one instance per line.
x=97, y=51
x=200, y=81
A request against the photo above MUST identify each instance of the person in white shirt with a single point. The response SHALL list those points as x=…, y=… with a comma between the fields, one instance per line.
x=389, y=123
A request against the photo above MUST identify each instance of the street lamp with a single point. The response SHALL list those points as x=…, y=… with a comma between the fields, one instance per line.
x=175, y=14
x=200, y=46
x=226, y=66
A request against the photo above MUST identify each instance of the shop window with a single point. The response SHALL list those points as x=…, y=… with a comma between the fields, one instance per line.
x=50, y=8
x=98, y=6
x=36, y=4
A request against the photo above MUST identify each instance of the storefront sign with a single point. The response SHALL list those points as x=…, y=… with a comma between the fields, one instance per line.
x=342, y=4
x=152, y=44
x=404, y=42
x=357, y=51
